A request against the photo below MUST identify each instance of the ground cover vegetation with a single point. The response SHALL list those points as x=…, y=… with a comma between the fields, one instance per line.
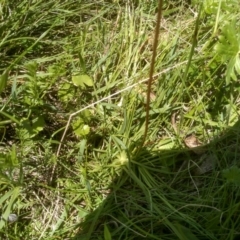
x=72, y=118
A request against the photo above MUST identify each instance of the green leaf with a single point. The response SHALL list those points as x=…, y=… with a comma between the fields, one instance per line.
x=237, y=65
x=82, y=63
x=210, y=6
x=165, y=144
x=66, y=92
x=230, y=73
x=79, y=128
x=13, y=153
x=82, y=81
x=228, y=48
x=183, y=233
x=3, y=81
x=30, y=129
x=232, y=175
x=82, y=212
x=82, y=146
x=14, y=193
x=107, y=234
x=12, y=118
x=86, y=115
x=38, y=124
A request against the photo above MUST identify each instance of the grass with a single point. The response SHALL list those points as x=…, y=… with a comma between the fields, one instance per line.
x=72, y=118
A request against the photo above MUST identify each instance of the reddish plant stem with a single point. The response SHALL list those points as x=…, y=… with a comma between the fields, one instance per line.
x=151, y=72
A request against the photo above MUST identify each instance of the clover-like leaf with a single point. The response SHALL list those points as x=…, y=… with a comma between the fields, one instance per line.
x=82, y=81
x=80, y=128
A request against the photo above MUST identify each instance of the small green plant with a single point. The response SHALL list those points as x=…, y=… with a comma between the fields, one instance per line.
x=10, y=183
x=228, y=48
x=232, y=175
x=73, y=112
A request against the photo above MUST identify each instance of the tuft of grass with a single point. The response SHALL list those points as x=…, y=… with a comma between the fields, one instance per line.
x=72, y=117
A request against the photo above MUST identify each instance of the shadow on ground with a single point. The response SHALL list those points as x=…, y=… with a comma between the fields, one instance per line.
x=175, y=194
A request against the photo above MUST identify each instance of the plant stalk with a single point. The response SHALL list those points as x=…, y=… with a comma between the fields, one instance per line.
x=151, y=72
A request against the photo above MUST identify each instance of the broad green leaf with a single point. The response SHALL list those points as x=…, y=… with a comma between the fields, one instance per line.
x=210, y=6
x=228, y=49
x=86, y=115
x=38, y=124
x=165, y=144
x=85, y=129
x=82, y=81
x=30, y=129
x=77, y=123
x=6, y=196
x=107, y=234
x=79, y=128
